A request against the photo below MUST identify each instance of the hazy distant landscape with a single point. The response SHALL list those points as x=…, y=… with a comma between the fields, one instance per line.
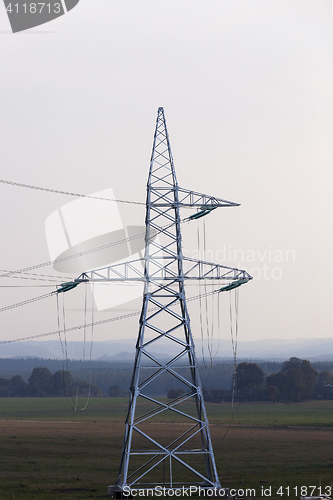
x=267, y=349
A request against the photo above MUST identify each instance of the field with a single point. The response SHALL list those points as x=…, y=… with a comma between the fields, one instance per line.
x=47, y=451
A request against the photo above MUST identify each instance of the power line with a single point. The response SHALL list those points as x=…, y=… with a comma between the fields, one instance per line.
x=79, y=327
x=26, y=286
x=57, y=191
x=68, y=257
x=79, y=254
x=73, y=328
x=29, y=277
x=34, y=299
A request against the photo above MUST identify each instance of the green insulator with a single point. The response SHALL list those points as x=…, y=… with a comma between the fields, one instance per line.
x=236, y=284
x=205, y=210
x=65, y=287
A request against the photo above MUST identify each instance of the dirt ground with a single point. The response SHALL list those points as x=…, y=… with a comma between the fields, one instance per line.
x=46, y=459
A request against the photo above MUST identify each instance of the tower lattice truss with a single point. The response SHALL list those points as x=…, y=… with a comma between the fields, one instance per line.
x=167, y=442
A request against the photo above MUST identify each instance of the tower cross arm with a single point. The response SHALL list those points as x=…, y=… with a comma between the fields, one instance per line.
x=192, y=270
x=199, y=270
x=193, y=199
x=164, y=197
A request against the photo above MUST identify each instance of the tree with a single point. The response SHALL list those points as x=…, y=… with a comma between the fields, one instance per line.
x=39, y=381
x=5, y=391
x=301, y=379
x=174, y=393
x=84, y=388
x=296, y=380
x=276, y=380
x=249, y=376
x=60, y=383
x=325, y=378
x=115, y=391
x=272, y=393
x=18, y=386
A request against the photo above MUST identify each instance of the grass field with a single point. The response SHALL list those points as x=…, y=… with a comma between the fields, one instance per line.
x=47, y=451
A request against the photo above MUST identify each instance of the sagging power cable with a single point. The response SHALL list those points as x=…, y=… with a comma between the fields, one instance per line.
x=84, y=348
x=36, y=276
x=63, y=344
x=57, y=191
x=234, y=339
x=29, y=301
x=97, y=323
x=84, y=353
x=63, y=288
x=234, y=303
x=205, y=295
x=79, y=254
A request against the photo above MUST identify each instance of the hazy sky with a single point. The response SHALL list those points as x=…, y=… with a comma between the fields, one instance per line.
x=247, y=90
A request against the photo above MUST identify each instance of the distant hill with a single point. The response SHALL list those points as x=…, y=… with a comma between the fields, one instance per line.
x=281, y=349
x=123, y=350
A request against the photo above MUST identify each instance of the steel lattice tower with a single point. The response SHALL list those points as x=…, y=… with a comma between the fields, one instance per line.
x=150, y=456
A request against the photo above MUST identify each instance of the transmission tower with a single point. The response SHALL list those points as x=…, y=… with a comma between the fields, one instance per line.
x=179, y=451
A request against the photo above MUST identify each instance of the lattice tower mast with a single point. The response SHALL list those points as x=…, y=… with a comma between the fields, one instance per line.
x=147, y=452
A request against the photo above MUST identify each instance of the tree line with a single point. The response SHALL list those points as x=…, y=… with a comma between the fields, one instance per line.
x=292, y=380
x=108, y=374
x=297, y=380
x=43, y=383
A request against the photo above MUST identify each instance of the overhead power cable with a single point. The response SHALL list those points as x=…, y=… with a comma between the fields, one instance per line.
x=24, y=302
x=26, y=286
x=79, y=254
x=57, y=191
x=29, y=276
x=64, y=349
x=72, y=329
x=88, y=325
x=84, y=351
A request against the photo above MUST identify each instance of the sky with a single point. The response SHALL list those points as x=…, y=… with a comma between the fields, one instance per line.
x=246, y=86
